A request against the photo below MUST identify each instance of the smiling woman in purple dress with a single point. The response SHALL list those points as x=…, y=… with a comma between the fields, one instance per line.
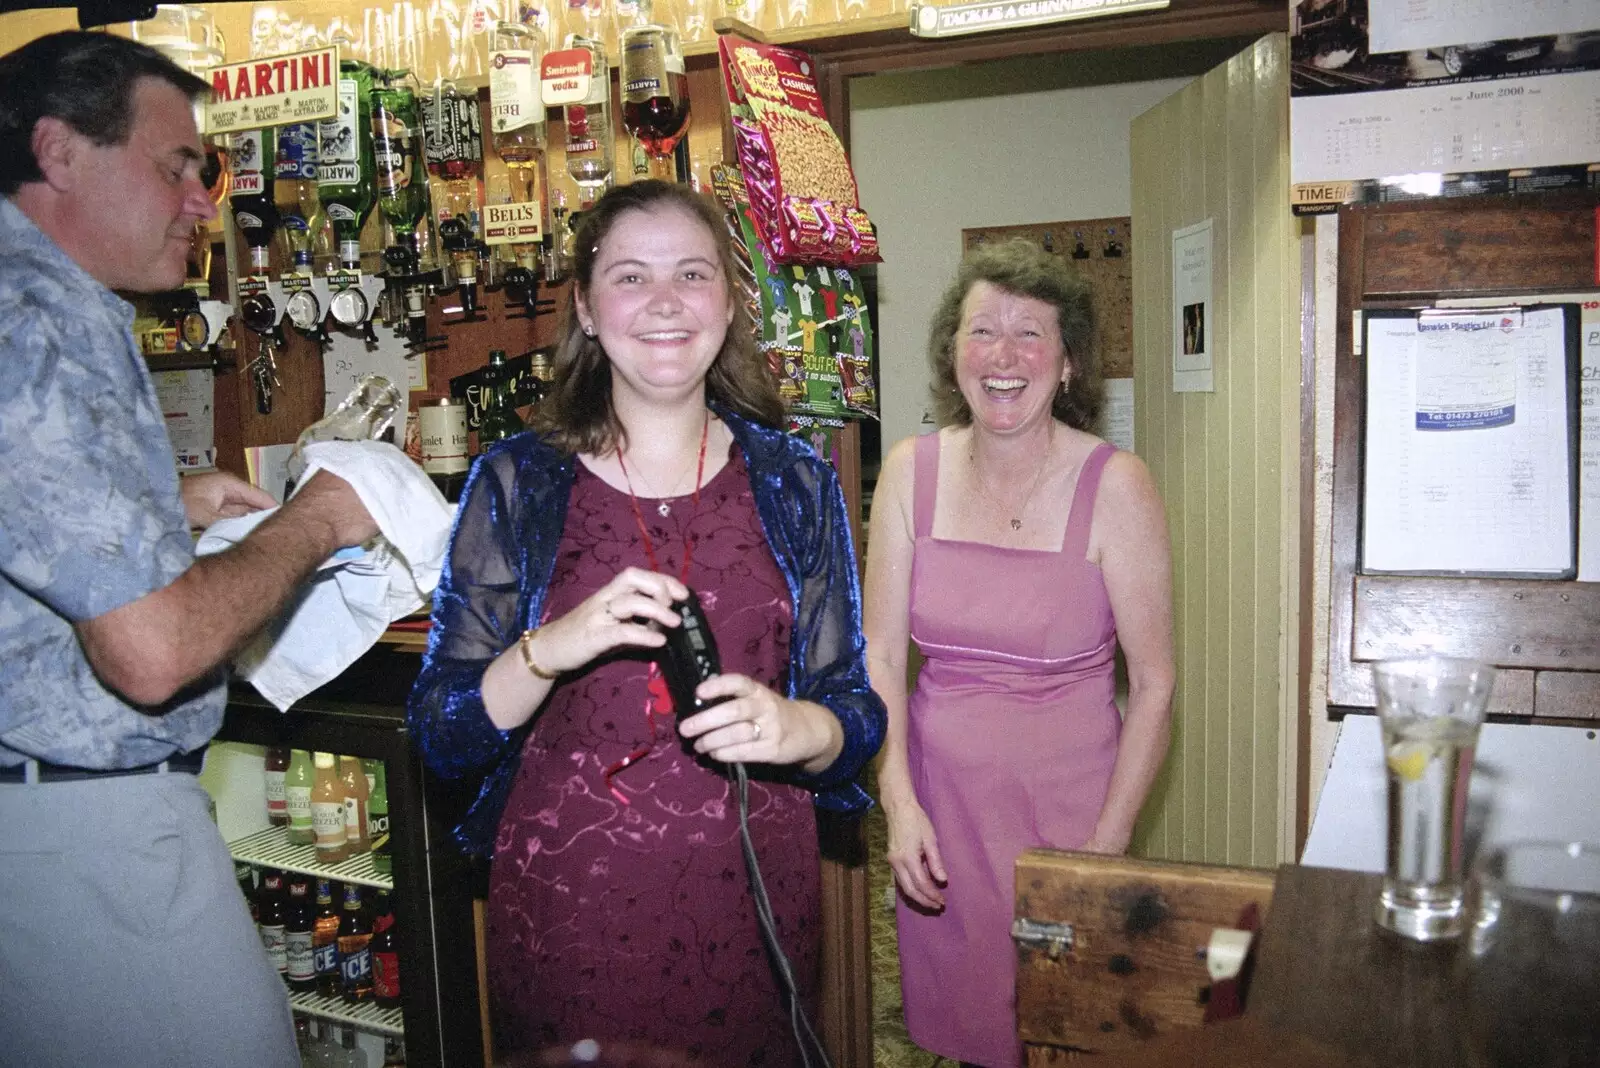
x=618, y=907
x=1019, y=552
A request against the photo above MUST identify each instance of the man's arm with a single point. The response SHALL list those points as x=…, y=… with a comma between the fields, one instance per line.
x=149, y=649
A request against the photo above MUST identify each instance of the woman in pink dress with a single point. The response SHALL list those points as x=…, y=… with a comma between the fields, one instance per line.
x=1019, y=552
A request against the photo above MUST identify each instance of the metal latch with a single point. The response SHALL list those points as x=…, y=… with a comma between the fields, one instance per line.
x=1053, y=938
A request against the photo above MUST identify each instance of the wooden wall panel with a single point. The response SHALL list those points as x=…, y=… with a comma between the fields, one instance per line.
x=1227, y=462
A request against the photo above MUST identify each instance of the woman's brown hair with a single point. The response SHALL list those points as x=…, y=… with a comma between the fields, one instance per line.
x=1026, y=270
x=577, y=415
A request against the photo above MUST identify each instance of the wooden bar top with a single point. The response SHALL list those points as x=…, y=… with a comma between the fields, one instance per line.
x=1327, y=972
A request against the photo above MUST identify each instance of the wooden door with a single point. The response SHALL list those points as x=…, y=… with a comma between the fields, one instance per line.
x=1227, y=461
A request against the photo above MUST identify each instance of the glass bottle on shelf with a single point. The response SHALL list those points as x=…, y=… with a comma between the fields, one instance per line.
x=591, y=140
x=275, y=771
x=385, y=955
x=655, y=88
x=325, y=941
x=294, y=191
x=345, y=164
x=297, y=784
x=497, y=415
x=299, y=924
x=355, y=805
x=454, y=145
x=327, y=811
x=399, y=157
x=378, y=818
x=355, y=947
x=255, y=212
x=270, y=922
x=517, y=121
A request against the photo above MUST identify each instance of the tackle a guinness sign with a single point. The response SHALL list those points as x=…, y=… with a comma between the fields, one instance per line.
x=955, y=20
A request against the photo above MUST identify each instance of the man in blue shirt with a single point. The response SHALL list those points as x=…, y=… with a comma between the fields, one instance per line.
x=123, y=936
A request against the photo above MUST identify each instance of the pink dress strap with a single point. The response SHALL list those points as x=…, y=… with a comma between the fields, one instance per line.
x=1081, y=518
x=925, y=484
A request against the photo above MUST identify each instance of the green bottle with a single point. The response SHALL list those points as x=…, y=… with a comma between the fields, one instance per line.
x=497, y=415
x=344, y=161
x=378, y=817
x=297, y=795
x=401, y=169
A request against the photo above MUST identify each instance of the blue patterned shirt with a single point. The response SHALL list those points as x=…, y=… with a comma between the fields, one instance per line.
x=90, y=514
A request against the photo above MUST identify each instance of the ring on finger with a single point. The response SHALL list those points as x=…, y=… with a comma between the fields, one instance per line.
x=756, y=729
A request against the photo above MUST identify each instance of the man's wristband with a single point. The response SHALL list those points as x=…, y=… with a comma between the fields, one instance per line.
x=526, y=644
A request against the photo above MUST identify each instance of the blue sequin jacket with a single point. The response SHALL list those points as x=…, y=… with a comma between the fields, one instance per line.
x=498, y=570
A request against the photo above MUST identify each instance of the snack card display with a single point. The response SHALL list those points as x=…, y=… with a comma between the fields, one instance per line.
x=813, y=324
x=806, y=207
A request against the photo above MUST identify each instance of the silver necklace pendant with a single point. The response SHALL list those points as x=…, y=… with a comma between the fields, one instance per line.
x=1016, y=524
x=664, y=509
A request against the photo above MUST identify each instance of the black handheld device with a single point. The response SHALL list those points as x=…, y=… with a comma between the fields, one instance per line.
x=689, y=657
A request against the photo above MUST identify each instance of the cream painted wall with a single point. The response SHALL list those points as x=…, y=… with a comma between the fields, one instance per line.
x=1026, y=141
x=1227, y=462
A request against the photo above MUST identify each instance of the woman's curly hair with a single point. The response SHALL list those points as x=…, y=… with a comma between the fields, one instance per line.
x=1026, y=270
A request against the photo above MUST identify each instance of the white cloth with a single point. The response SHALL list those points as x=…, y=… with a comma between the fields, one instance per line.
x=348, y=603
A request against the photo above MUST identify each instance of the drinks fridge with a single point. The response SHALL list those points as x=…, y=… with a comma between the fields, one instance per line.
x=414, y=920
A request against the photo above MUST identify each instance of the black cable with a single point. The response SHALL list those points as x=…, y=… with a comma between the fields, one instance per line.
x=804, y=1035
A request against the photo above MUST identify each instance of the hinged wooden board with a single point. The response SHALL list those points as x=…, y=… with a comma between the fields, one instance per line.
x=1137, y=965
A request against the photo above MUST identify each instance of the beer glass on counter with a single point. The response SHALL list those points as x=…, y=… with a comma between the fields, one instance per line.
x=1430, y=709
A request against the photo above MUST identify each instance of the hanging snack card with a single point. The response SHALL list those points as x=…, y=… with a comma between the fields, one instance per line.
x=806, y=204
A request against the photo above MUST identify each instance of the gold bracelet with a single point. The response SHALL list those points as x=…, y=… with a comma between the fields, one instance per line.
x=527, y=657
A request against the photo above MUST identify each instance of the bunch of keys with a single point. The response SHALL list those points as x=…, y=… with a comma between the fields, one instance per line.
x=264, y=375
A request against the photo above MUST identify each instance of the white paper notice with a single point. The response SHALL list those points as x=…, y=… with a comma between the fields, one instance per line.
x=1546, y=120
x=1463, y=471
x=1117, y=415
x=186, y=406
x=1407, y=25
x=348, y=358
x=1192, y=331
x=1589, y=480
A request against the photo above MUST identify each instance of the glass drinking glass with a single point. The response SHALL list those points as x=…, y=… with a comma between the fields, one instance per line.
x=1536, y=927
x=1430, y=709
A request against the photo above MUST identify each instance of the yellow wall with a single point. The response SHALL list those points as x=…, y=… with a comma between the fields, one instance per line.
x=1227, y=462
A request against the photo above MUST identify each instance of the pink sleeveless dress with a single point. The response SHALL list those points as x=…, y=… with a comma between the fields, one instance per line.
x=1012, y=735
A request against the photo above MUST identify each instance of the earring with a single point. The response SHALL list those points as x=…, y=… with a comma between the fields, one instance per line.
x=588, y=331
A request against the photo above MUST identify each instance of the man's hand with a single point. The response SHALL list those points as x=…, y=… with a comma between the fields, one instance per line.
x=216, y=495
x=328, y=504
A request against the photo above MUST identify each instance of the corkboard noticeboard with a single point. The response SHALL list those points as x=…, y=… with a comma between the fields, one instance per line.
x=1102, y=251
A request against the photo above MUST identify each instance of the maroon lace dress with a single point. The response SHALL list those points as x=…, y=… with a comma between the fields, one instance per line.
x=634, y=923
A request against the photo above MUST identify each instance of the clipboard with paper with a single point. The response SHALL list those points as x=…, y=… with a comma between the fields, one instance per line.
x=1471, y=442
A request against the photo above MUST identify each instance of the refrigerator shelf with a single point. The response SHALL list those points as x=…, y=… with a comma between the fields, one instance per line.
x=271, y=848
x=365, y=1016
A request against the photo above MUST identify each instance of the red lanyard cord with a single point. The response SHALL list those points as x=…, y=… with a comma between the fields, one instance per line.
x=658, y=702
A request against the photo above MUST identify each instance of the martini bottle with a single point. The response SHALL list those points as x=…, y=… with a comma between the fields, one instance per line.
x=345, y=179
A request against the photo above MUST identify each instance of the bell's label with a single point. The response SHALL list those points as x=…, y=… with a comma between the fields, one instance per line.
x=512, y=224
x=566, y=76
x=513, y=103
x=296, y=87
